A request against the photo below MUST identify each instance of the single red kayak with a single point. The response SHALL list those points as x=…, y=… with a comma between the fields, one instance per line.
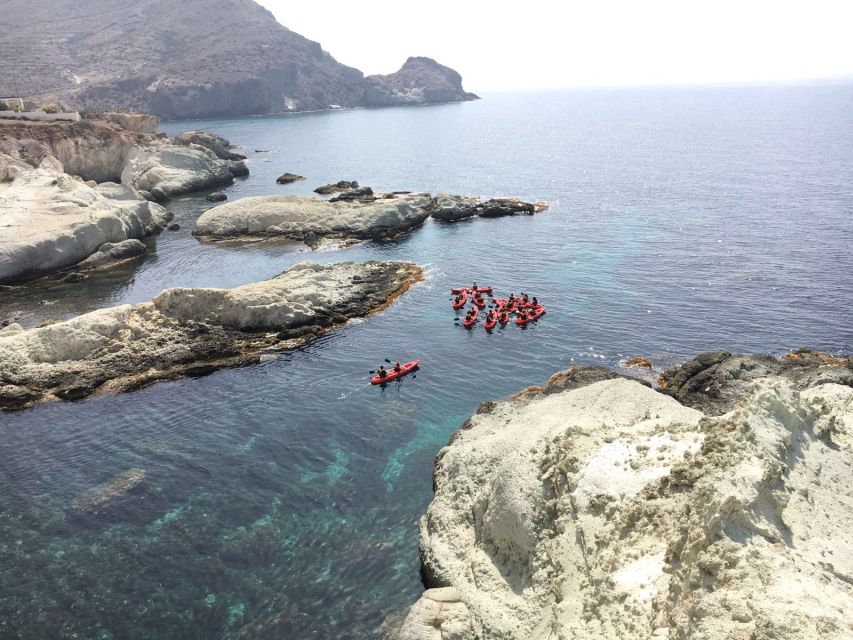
x=471, y=320
x=461, y=303
x=503, y=318
x=491, y=321
x=478, y=301
x=467, y=290
x=535, y=314
x=393, y=375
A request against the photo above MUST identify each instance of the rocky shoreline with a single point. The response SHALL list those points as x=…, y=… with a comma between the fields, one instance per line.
x=189, y=332
x=71, y=190
x=598, y=507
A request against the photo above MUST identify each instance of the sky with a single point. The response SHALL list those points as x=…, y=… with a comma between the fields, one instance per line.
x=499, y=45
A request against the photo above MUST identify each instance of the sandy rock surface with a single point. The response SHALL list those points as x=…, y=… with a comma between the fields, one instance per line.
x=49, y=220
x=189, y=331
x=300, y=218
x=613, y=511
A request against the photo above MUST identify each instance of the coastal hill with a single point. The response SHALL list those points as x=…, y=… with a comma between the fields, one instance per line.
x=186, y=60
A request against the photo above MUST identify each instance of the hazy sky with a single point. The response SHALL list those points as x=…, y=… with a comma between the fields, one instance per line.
x=532, y=44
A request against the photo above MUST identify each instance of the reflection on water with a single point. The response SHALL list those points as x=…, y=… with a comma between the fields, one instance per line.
x=282, y=500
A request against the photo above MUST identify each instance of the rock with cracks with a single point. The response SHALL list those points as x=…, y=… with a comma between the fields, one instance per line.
x=189, y=332
x=612, y=511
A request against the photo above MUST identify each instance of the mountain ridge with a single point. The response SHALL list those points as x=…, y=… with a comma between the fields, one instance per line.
x=206, y=58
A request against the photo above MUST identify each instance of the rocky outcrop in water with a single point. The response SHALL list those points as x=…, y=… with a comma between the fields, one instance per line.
x=450, y=208
x=51, y=221
x=287, y=178
x=172, y=170
x=613, y=511
x=340, y=185
x=300, y=218
x=419, y=81
x=189, y=332
x=356, y=214
x=210, y=141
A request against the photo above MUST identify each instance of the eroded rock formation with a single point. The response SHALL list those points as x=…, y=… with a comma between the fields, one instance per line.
x=613, y=511
x=187, y=332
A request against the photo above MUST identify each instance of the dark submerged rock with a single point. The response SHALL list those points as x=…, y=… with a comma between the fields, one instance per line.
x=287, y=178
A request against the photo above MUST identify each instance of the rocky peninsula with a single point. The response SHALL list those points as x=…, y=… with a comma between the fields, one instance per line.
x=356, y=215
x=189, y=332
x=598, y=507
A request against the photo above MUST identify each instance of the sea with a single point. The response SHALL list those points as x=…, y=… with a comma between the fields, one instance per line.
x=282, y=500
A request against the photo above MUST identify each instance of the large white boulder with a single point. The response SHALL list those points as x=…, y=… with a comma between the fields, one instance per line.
x=176, y=169
x=49, y=220
x=300, y=217
x=612, y=511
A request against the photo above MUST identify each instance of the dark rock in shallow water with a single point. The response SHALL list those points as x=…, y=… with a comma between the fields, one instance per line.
x=108, y=493
x=715, y=382
x=111, y=253
x=239, y=169
x=287, y=178
x=497, y=207
x=341, y=185
x=174, y=227
x=361, y=194
x=216, y=197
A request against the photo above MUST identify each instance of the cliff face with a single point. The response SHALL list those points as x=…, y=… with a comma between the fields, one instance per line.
x=419, y=81
x=613, y=511
x=175, y=60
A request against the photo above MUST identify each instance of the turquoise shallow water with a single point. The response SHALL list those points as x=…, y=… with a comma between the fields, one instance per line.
x=282, y=500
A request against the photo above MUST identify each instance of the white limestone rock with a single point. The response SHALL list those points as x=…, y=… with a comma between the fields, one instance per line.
x=49, y=220
x=176, y=169
x=612, y=511
x=299, y=217
x=189, y=331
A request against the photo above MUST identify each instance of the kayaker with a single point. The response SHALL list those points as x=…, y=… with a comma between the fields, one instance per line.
x=470, y=314
x=381, y=373
x=522, y=315
x=458, y=299
x=535, y=302
x=524, y=299
x=474, y=287
x=491, y=315
x=398, y=368
x=504, y=317
x=511, y=299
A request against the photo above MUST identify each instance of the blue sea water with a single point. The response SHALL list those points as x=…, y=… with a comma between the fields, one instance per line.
x=282, y=500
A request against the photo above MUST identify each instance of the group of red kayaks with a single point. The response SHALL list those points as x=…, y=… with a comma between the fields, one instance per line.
x=525, y=309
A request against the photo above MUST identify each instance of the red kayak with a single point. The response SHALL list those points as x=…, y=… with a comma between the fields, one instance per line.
x=470, y=321
x=478, y=301
x=503, y=318
x=491, y=321
x=467, y=290
x=537, y=313
x=461, y=303
x=393, y=375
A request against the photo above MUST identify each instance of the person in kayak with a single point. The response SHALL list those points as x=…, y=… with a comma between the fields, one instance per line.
x=490, y=316
x=398, y=368
x=535, y=302
x=474, y=287
x=470, y=314
x=522, y=315
x=381, y=372
x=504, y=317
x=478, y=298
x=524, y=299
x=459, y=299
